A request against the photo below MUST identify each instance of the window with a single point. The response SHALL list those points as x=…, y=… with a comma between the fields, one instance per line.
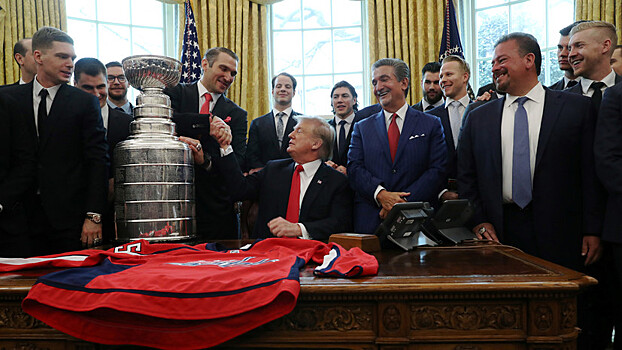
x=320, y=42
x=490, y=19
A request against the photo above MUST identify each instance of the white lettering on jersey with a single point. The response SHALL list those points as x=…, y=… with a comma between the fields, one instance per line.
x=132, y=249
x=227, y=263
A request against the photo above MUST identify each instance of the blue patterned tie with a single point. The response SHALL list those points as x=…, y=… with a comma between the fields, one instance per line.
x=521, y=166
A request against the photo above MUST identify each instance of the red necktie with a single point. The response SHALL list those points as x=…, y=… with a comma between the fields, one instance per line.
x=293, y=205
x=205, y=106
x=394, y=136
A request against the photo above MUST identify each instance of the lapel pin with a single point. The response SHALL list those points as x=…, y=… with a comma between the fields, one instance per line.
x=319, y=182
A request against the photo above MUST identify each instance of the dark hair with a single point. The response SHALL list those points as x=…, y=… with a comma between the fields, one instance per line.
x=527, y=44
x=344, y=83
x=432, y=67
x=212, y=54
x=294, y=82
x=45, y=36
x=566, y=30
x=19, y=48
x=114, y=64
x=400, y=69
x=89, y=66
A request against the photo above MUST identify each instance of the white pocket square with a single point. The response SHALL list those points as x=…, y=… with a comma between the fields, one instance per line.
x=415, y=136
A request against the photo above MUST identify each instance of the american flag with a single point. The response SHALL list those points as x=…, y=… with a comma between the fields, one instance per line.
x=191, y=55
x=450, y=44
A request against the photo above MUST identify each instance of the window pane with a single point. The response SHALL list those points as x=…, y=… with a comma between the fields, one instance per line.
x=147, y=13
x=114, y=42
x=318, y=51
x=84, y=9
x=115, y=11
x=316, y=14
x=348, y=55
x=298, y=101
x=147, y=41
x=544, y=70
x=286, y=15
x=554, y=72
x=355, y=80
x=561, y=14
x=486, y=3
x=491, y=24
x=484, y=72
x=82, y=34
x=352, y=8
x=529, y=17
x=317, y=94
x=287, y=54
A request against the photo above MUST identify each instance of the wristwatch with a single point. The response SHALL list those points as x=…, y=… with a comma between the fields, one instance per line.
x=96, y=218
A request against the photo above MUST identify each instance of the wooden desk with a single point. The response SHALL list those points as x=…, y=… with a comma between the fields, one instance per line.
x=459, y=298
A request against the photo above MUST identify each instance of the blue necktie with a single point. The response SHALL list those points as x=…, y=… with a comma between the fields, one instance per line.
x=342, y=138
x=521, y=166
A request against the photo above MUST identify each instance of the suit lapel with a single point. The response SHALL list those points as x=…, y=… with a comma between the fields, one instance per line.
x=285, y=177
x=494, y=135
x=381, y=131
x=289, y=127
x=410, y=124
x=25, y=93
x=449, y=134
x=313, y=190
x=552, y=109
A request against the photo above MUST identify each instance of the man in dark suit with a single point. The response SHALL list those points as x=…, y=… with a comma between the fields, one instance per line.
x=298, y=197
x=454, y=74
x=22, y=53
x=267, y=136
x=526, y=162
x=569, y=79
x=616, y=60
x=90, y=76
x=18, y=166
x=117, y=88
x=192, y=104
x=65, y=123
x=430, y=85
x=396, y=155
x=345, y=105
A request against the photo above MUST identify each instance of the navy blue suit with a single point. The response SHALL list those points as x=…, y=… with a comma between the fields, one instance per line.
x=343, y=160
x=419, y=167
x=566, y=196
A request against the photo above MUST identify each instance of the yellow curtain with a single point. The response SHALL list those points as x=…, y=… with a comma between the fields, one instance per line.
x=240, y=25
x=20, y=19
x=601, y=10
x=409, y=30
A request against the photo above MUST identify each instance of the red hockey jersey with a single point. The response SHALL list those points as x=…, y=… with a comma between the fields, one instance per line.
x=175, y=295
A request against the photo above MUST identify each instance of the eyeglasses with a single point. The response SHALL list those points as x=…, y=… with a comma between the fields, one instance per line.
x=121, y=78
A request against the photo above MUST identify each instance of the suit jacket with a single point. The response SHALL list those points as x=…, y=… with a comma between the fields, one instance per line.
x=118, y=130
x=262, y=142
x=577, y=89
x=487, y=88
x=214, y=206
x=607, y=148
x=72, y=173
x=566, y=194
x=419, y=166
x=558, y=85
x=369, y=111
x=418, y=106
x=344, y=159
x=326, y=207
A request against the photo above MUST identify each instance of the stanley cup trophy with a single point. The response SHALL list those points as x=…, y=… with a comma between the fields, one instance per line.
x=154, y=175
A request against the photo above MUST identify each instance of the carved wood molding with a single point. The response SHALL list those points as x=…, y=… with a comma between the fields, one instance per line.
x=14, y=317
x=329, y=318
x=391, y=318
x=568, y=314
x=460, y=317
x=543, y=317
x=410, y=296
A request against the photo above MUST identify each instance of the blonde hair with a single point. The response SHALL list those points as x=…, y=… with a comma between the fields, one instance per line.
x=606, y=28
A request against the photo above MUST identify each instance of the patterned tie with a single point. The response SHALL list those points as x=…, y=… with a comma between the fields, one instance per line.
x=597, y=96
x=521, y=165
x=455, y=118
x=394, y=136
x=342, y=138
x=279, y=128
x=293, y=204
x=571, y=83
x=42, y=113
x=205, y=106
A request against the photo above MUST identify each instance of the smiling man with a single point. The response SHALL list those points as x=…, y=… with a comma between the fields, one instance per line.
x=431, y=87
x=569, y=79
x=192, y=104
x=267, y=133
x=117, y=88
x=396, y=155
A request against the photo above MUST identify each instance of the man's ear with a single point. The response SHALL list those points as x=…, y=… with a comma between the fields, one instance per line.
x=316, y=144
x=36, y=54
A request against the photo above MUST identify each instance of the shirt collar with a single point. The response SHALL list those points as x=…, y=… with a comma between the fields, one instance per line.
x=310, y=168
x=464, y=101
x=609, y=80
x=203, y=90
x=287, y=111
x=536, y=94
x=400, y=113
x=51, y=90
x=105, y=112
x=349, y=119
x=425, y=103
x=566, y=80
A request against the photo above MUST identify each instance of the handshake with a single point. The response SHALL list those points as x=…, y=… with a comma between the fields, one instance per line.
x=219, y=130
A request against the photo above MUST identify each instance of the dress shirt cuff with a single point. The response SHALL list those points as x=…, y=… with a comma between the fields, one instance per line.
x=305, y=233
x=227, y=151
x=378, y=189
x=442, y=192
x=1, y=208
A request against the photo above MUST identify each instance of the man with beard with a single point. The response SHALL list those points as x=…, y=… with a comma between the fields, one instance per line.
x=396, y=155
x=454, y=74
x=267, y=136
x=616, y=60
x=193, y=104
x=430, y=85
x=569, y=79
x=117, y=88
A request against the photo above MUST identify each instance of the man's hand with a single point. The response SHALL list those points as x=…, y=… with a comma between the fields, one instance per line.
x=486, y=231
x=220, y=131
x=339, y=168
x=449, y=195
x=91, y=234
x=383, y=213
x=486, y=96
x=388, y=199
x=254, y=170
x=283, y=228
x=196, y=148
x=591, y=249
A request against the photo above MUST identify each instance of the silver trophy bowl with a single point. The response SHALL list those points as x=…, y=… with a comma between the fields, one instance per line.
x=145, y=72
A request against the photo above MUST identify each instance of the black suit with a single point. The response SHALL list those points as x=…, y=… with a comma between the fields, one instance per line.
x=326, y=207
x=214, y=206
x=343, y=160
x=369, y=111
x=418, y=106
x=18, y=166
x=262, y=142
x=72, y=165
x=577, y=89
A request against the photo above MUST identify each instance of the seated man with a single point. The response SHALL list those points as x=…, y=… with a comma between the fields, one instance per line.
x=298, y=197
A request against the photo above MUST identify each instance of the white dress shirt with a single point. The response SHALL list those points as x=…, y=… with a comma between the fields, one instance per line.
x=401, y=115
x=609, y=80
x=425, y=104
x=285, y=119
x=105, y=113
x=305, y=180
x=534, y=107
x=202, y=92
x=36, y=99
x=349, y=120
